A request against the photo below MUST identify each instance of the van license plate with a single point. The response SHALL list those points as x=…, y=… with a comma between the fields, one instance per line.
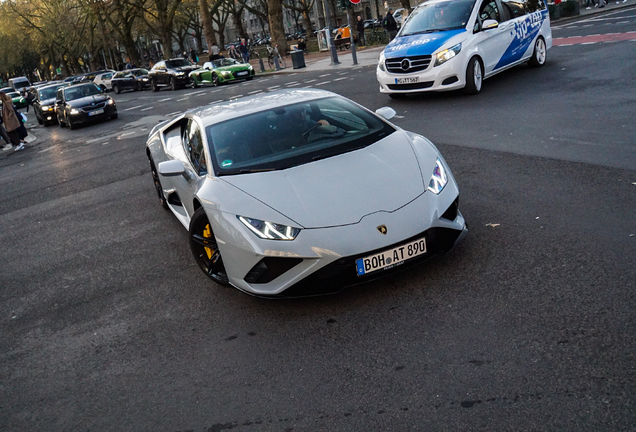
x=409, y=80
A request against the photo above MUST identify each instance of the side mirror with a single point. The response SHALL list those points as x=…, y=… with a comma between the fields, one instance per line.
x=172, y=168
x=489, y=24
x=386, y=112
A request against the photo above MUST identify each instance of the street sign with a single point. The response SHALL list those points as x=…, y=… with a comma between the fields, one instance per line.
x=355, y=1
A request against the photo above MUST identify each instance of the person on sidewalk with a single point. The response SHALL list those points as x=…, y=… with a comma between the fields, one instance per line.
x=5, y=137
x=360, y=28
x=389, y=24
x=13, y=122
x=587, y=5
x=245, y=51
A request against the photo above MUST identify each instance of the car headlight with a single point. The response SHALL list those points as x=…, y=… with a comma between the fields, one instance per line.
x=269, y=230
x=74, y=111
x=111, y=102
x=179, y=73
x=438, y=179
x=144, y=79
x=226, y=73
x=381, y=62
x=447, y=54
x=47, y=108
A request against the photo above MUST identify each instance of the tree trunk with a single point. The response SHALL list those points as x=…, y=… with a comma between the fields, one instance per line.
x=208, y=28
x=276, y=27
x=307, y=23
x=238, y=23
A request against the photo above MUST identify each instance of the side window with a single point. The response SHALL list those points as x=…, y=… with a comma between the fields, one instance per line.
x=489, y=10
x=194, y=147
x=514, y=8
x=534, y=5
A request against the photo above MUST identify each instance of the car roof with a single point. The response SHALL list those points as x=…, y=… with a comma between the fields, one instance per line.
x=59, y=84
x=219, y=112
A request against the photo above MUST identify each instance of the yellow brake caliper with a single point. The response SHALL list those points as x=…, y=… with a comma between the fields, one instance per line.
x=207, y=233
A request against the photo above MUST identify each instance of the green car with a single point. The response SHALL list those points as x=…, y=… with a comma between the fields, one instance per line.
x=18, y=100
x=221, y=71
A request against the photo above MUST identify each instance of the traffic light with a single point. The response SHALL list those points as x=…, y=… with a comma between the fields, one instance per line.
x=343, y=4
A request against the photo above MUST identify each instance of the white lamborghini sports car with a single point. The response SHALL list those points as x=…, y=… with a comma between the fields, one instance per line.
x=303, y=192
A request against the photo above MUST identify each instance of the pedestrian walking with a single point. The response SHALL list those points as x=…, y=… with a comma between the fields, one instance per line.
x=245, y=51
x=28, y=98
x=193, y=55
x=215, y=53
x=360, y=28
x=233, y=53
x=5, y=136
x=389, y=24
x=13, y=123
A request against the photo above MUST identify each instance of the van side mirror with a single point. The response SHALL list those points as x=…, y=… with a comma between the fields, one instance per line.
x=489, y=24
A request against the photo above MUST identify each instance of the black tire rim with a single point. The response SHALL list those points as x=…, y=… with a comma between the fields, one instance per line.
x=215, y=80
x=206, y=251
x=158, y=187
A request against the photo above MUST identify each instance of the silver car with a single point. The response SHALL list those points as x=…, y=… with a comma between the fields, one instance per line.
x=303, y=192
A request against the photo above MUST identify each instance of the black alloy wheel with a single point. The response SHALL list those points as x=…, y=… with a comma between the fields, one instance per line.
x=215, y=80
x=157, y=182
x=205, y=249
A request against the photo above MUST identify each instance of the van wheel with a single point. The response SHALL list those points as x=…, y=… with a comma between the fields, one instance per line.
x=474, y=76
x=539, y=55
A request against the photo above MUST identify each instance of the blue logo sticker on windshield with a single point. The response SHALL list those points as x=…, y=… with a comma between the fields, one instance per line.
x=226, y=163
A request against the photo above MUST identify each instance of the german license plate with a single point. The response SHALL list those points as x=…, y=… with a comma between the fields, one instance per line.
x=99, y=111
x=391, y=258
x=241, y=73
x=409, y=80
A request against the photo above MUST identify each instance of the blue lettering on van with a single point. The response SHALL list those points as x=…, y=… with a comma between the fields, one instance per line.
x=523, y=33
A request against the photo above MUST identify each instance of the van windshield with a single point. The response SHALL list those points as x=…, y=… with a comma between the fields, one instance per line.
x=18, y=84
x=439, y=16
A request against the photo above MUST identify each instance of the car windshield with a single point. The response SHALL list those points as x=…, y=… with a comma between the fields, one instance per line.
x=177, y=63
x=292, y=135
x=224, y=62
x=440, y=16
x=48, y=93
x=78, y=92
x=139, y=72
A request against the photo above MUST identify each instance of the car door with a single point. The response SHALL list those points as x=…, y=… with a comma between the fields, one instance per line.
x=492, y=43
x=106, y=80
x=60, y=104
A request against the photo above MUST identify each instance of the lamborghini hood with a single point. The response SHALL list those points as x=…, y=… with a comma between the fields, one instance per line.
x=340, y=190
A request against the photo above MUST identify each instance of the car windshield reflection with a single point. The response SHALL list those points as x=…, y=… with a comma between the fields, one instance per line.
x=292, y=135
x=78, y=92
x=441, y=16
x=177, y=63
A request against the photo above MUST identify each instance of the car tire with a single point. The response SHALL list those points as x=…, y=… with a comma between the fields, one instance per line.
x=194, y=83
x=173, y=84
x=140, y=86
x=157, y=182
x=113, y=117
x=205, y=248
x=116, y=89
x=215, y=80
x=474, y=76
x=154, y=86
x=539, y=55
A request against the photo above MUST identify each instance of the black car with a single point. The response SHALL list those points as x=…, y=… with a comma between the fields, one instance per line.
x=173, y=73
x=82, y=103
x=44, y=103
x=130, y=79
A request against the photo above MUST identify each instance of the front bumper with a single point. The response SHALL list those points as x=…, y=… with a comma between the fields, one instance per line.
x=321, y=261
x=445, y=77
x=84, y=117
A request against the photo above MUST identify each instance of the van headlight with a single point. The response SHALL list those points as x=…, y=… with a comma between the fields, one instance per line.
x=444, y=56
x=381, y=62
x=269, y=230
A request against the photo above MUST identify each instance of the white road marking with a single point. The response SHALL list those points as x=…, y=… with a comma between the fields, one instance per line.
x=174, y=114
x=310, y=81
x=200, y=94
x=146, y=109
x=125, y=134
x=256, y=91
x=164, y=100
x=182, y=99
x=273, y=87
x=340, y=79
x=321, y=76
x=188, y=94
x=321, y=83
x=293, y=85
x=292, y=82
x=132, y=108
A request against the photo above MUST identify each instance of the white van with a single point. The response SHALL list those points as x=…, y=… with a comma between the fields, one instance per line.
x=453, y=44
x=19, y=83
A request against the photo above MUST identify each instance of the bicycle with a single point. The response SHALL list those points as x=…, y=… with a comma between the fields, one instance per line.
x=377, y=36
x=273, y=53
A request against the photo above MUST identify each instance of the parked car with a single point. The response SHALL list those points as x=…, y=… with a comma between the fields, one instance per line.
x=173, y=73
x=82, y=103
x=18, y=100
x=103, y=79
x=400, y=15
x=130, y=79
x=303, y=192
x=44, y=103
x=221, y=71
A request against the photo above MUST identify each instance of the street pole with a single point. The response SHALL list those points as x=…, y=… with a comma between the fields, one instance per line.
x=334, y=54
x=353, y=44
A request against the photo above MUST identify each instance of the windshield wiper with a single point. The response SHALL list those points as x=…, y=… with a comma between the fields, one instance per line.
x=245, y=171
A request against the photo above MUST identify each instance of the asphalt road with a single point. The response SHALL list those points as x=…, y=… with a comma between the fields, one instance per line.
x=107, y=323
